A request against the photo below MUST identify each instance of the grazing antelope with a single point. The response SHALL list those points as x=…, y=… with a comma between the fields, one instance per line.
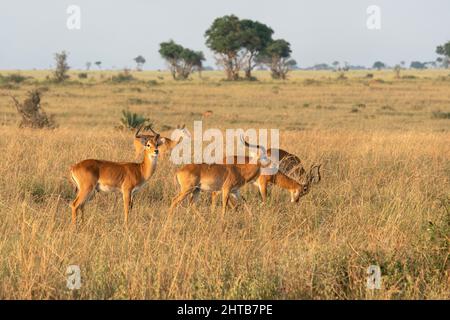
x=100, y=175
x=289, y=166
x=166, y=144
x=227, y=178
x=288, y=163
x=297, y=189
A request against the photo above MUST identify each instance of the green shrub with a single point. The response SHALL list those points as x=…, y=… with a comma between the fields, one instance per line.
x=131, y=120
x=13, y=78
x=441, y=115
x=124, y=76
x=82, y=75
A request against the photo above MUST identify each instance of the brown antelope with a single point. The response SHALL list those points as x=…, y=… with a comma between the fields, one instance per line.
x=166, y=144
x=207, y=113
x=226, y=178
x=289, y=167
x=297, y=189
x=288, y=163
x=100, y=175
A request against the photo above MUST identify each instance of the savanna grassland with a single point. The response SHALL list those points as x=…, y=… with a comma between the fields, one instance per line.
x=384, y=198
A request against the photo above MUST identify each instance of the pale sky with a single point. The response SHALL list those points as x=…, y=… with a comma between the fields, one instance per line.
x=117, y=31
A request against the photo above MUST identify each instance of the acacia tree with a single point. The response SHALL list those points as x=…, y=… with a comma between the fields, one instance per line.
x=444, y=51
x=378, y=65
x=181, y=61
x=140, y=60
x=256, y=37
x=98, y=64
x=335, y=65
x=224, y=37
x=277, y=56
x=237, y=43
x=418, y=65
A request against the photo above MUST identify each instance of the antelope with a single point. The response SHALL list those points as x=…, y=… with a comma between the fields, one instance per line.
x=296, y=189
x=166, y=144
x=207, y=113
x=99, y=175
x=227, y=178
x=288, y=163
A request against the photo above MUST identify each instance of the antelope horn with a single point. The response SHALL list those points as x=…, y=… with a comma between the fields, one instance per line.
x=253, y=145
x=311, y=176
x=153, y=131
x=136, y=135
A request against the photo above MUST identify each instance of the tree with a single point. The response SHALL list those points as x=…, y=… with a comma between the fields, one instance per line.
x=98, y=64
x=277, y=56
x=346, y=66
x=335, y=65
x=224, y=37
x=182, y=61
x=418, y=65
x=378, y=65
x=444, y=51
x=140, y=60
x=321, y=66
x=88, y=65
x=255, y=38
x=397, y=70
x=60, y=73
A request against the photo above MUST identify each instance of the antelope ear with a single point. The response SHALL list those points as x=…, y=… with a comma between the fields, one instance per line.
x=161, y=141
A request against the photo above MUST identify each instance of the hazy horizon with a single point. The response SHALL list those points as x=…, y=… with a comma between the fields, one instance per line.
x=319, y=32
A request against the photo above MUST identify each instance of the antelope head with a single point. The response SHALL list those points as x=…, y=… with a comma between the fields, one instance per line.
x=311, y=178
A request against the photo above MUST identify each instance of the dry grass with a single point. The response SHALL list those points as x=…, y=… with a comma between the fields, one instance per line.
x=384, y=198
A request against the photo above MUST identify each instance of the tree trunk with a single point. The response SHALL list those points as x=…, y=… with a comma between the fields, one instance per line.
x=248, y=70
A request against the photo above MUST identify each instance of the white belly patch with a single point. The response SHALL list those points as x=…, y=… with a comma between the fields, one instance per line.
x=106, y=188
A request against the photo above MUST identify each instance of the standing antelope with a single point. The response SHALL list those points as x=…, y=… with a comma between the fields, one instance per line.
x=100, y=175
x=227, y=178
x=166, y=144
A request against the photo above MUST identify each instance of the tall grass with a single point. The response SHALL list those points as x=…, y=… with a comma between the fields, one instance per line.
x=384, y=198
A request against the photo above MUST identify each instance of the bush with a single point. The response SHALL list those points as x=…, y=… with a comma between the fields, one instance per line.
x=441, y=115
x=31, y=112
x=131, y=120
x=124, y=76
x=82, y=75
x=12, y=78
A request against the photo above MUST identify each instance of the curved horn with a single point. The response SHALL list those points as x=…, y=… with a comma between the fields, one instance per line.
x=136, y=135
x=312, y=177
x=253, y=145
x=153, y=131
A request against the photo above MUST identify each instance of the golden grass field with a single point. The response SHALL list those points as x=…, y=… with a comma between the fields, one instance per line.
x=384, y=198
